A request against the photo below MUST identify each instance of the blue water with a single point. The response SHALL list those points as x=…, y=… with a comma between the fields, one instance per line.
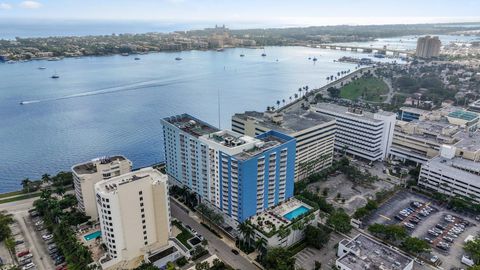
x=112, y=105
x=92, y=236
x=296, y=212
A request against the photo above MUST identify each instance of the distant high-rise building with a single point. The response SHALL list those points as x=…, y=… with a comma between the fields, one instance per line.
x=134, y=213
x=428, y=47
x=86, y=175
x=239, y=175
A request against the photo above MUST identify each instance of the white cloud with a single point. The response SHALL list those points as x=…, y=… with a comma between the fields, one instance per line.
x=5, y=6
x=30, y=4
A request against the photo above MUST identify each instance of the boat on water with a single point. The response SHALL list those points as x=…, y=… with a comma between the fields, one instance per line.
x=55, y=76
x=21, y=103
x=41, y=68
x=220, y=50
x=315, y=59
x=242, y=55
x=264, y=54
x=178, y=58
x=125, y=54
x=137, y=58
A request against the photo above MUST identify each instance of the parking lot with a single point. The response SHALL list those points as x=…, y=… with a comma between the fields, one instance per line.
x=442, y=228
x=35, y=248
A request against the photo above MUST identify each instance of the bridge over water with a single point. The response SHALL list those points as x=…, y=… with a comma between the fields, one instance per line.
x=385, y=50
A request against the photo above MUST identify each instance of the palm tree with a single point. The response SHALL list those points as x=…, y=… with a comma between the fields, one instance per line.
x=246, y=231
x=328, y=78
x=260, y=245
x=278, y=103
x=290, y=98
x=283, y=101
x=60, y=190
x=296, y=95
x=300, y=91
x=268, y=108
x=46, y=178
x=26, y=184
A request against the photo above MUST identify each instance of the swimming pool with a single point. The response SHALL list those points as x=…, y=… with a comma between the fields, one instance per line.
x=92, y=236
x=296, y=212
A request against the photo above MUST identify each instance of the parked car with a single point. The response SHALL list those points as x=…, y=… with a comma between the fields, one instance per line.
x=28, y=266
x=25, y=262
x=23, y=253
x=46, y=237
x=19, y=242
x=28, y=256
x=234, y=251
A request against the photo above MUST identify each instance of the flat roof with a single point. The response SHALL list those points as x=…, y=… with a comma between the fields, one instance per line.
x=90, y=167
x=264, y=144
x=414, y=110
x=358, y=113
x=457, y=166
x=191, y=125
x=468, y=140
x=112, y=184
x=464, y=115
x=370, y=254
x=230, y=139
x=293, y=121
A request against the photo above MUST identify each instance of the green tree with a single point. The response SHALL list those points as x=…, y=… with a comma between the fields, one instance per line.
x=279, y=259
x=26, y=184
x=415, y=245
x=202, y=266
x=473, y=249
x=316, y=237
x=391, y=233
x=339, y=221
x=46, y=178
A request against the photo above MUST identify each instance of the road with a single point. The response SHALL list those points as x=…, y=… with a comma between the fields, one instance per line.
x=215, y=245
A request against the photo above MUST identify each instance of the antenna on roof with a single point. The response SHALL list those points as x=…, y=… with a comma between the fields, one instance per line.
x=218, y=101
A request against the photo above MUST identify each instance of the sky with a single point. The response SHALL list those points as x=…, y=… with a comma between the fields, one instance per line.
x=245, y=13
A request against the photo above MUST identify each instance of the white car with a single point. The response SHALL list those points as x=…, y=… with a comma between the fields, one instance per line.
x=47, y=237
x=38, y=223
x=28, y=256
x=28, y=266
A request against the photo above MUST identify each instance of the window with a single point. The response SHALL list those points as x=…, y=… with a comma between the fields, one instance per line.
x=142, y=210
x=141, y=199
x=146, y=243
x=145, y=237
x=141, y=204
x=143, y=221
x=144, y=227
x=144, y=232
x=143, y=215
x=140, y=193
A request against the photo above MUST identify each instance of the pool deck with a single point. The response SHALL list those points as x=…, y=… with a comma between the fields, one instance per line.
x=276, y=214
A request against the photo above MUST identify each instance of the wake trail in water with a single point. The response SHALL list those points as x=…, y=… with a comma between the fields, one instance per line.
x=121, y=88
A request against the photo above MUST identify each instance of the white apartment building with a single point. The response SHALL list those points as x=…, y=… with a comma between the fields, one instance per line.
x=86, y=175
x=315, y=135
x=452, y=175
x=134, y=212
x=362, y=253
x=360, y=133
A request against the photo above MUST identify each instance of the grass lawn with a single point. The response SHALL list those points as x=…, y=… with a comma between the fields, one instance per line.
x=184, y=235
x=10, y=194
x=369, y=89
x=21, y=197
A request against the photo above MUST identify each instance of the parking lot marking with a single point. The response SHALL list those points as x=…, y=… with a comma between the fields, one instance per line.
x=385, y=217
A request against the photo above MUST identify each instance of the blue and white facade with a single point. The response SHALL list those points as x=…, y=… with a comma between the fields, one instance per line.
x=239, y=174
